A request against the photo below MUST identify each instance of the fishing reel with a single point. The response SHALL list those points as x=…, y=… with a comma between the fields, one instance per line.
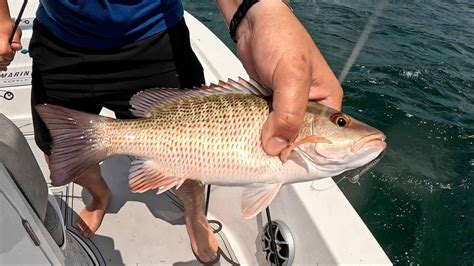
x=278, y=244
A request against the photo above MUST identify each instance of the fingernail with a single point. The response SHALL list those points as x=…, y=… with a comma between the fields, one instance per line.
x=275, y=145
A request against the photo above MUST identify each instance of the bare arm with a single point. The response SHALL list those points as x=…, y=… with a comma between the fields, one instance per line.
x=276, y=49
x=7, y=50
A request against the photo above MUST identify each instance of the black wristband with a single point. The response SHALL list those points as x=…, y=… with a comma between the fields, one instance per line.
x=239, y=15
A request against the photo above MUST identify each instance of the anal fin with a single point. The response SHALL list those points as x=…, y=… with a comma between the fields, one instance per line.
x=255, y=199
x=145, y=175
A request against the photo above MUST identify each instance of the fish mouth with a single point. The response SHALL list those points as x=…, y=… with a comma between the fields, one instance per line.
x=376, y=140
x=354, y=175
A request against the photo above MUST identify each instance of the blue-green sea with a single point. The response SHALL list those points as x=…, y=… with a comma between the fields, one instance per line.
x=414, y=80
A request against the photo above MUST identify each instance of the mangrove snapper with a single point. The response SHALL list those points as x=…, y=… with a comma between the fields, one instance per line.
x=210, y=134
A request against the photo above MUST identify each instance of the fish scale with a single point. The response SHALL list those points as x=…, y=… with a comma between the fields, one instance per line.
x=204, y=138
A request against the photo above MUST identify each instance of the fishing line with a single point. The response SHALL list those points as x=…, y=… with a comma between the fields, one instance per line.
x=273, y=244
x=369, y=27
x=208, y=198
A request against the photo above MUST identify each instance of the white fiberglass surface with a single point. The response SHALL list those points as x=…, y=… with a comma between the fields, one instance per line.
x=138, y=228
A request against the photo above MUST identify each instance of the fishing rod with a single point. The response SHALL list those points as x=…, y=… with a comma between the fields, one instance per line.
x=7, y=94
x=18, y=20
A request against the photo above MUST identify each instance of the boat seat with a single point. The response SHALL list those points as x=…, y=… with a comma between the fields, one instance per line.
x=18, y=159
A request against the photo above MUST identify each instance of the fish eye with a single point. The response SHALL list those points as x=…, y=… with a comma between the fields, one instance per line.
x=340, y=119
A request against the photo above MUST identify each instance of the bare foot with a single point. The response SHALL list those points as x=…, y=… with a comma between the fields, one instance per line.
x=91, y=216
x=203, y=240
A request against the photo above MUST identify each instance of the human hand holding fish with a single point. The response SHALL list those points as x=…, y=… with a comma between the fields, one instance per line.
x=276, y=50
x=7, y=49
x=210, y=134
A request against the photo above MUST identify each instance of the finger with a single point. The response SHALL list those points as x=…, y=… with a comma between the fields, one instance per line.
x=16, y=41
x=326, y=89
x=333, y=102
x=15, y=46
x=330, y=95
x=6, y=53
x=290, y=99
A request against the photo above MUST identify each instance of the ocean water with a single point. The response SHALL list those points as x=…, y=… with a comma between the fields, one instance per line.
x=414, y=80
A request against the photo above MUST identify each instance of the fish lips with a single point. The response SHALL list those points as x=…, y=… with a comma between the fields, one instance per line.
x=374, y=140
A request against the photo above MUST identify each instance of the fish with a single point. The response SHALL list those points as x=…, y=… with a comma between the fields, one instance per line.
x=211, y=134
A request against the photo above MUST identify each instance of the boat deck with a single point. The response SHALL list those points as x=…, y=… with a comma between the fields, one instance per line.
x=138, y=228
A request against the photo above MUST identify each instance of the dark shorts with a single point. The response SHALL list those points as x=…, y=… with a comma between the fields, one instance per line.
x=88, y=79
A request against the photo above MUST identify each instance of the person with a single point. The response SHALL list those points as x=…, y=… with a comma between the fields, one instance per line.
x=91, y=54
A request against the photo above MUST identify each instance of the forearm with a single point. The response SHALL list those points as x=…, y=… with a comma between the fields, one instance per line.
x=264, y=10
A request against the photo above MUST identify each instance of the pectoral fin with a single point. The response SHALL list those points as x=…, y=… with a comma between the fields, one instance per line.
x=255, y=199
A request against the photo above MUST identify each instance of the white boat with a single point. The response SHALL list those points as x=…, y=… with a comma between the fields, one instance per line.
x=38, y=220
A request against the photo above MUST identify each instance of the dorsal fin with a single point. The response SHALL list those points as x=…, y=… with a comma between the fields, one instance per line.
x=148, y=102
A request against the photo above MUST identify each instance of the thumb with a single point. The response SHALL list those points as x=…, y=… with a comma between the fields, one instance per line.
x=290, y=100
x=16, y=41
x=277, y=133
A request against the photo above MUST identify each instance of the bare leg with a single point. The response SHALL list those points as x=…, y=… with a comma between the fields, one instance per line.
x=91, y=216
x=203, y=241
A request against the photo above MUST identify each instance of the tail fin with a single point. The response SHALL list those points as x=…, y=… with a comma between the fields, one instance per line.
x=75, y=147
